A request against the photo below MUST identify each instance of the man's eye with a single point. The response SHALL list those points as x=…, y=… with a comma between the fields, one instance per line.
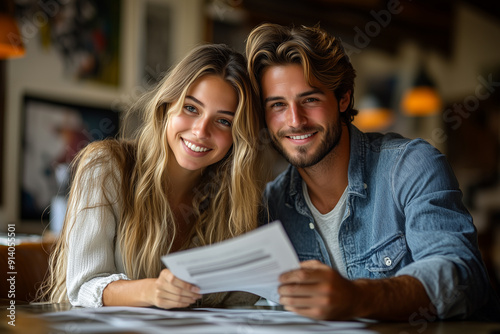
x=277, y=105
x=311, y=99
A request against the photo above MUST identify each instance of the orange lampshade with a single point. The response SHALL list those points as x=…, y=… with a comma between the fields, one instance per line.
x=11, y=44
x=374, y=113
x=373, y=119
x=421, y=101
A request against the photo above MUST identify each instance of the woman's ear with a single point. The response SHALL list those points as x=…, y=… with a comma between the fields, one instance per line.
x=345, y=101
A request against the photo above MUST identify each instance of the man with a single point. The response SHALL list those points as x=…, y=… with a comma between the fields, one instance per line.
x=379, y=217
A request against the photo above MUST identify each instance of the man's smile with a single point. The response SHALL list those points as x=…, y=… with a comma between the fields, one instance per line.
x=297, y=137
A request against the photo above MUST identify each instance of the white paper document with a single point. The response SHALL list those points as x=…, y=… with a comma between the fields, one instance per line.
x=251, y=262
x=207, y=320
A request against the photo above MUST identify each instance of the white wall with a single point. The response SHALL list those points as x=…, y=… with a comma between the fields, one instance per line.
x=477, y=50
x=41, y=73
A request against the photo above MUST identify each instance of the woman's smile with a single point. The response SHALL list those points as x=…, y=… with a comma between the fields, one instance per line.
x=194, y=147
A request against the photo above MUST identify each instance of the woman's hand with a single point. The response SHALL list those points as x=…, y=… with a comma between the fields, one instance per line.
x=172, y=292
x=166, y=291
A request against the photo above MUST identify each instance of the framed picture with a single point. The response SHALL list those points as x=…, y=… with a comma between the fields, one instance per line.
x=2, y=121
x=54, y=132
x=85, y=33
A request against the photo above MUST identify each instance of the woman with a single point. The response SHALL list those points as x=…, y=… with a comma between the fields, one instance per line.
x=191, y=177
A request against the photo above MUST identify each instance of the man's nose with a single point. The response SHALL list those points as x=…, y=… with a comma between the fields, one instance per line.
x=295, y=116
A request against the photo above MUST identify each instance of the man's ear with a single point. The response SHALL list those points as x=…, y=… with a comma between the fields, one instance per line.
x=344, y=102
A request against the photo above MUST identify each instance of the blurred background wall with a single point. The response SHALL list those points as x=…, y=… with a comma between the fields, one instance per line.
x=425, y=68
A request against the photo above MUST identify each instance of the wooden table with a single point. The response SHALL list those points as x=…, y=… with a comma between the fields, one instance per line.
x=28, y=322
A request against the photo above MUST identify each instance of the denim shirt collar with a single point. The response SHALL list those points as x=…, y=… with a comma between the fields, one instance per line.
x=357, y=162
x=356, y=177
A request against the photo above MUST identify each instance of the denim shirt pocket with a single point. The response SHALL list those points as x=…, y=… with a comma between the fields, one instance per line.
x=385, y=259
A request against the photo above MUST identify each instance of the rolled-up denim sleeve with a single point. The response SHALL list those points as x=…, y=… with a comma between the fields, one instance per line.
x=440, y=233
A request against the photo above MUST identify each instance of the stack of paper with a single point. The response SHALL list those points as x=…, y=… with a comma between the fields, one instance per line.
x=229, y=321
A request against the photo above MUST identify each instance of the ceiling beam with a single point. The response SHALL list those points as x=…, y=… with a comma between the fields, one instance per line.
x=427, y=22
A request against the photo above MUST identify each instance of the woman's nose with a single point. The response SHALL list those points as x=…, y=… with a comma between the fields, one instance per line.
x=200, y=128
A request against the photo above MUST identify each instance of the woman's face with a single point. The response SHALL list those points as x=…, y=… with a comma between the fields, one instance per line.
x=200, y=135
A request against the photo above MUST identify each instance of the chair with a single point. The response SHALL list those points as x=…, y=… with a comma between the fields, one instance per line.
x=21, y=282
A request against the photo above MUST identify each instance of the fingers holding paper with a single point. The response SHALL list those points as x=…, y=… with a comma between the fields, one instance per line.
x=317, y=291
x=172, y=292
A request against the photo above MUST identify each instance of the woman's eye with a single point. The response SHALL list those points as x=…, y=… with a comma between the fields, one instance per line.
x=190, y=109
x=224, y=122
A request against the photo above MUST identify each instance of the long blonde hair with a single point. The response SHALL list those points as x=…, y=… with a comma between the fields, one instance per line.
x=226, y=202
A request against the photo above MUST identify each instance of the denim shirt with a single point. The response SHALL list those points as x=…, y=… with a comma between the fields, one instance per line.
x=404, y=216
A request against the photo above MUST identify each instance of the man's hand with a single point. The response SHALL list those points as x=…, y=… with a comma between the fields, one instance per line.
x=318, y=291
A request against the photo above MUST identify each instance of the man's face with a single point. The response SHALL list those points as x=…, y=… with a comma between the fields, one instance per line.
x=303, y=121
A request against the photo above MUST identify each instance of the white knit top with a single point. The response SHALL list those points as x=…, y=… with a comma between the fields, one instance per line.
x=94, y=258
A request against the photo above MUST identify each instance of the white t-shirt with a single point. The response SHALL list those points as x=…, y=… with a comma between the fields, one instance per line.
x=329, y=225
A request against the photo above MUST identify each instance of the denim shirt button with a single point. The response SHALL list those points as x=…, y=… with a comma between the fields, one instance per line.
x=311, y=226
x=365, y=185
x=387, y=261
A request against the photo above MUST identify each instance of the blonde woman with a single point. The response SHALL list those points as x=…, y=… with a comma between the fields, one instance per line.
x=192, y=176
